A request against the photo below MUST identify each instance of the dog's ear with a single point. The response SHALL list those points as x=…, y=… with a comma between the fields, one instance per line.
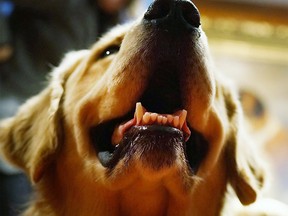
x=245, y=168
x=31, y=139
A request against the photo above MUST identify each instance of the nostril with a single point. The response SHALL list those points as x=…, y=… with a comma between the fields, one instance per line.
x=157, y=10
x=190, y=13
x=173, y=15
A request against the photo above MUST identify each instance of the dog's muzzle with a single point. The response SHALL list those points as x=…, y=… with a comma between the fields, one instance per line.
x=156, y=132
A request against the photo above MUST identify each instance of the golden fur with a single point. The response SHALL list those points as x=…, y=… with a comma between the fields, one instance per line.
x=49, y=137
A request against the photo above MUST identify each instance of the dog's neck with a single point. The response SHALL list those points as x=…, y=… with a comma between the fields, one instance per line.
x=143, y=198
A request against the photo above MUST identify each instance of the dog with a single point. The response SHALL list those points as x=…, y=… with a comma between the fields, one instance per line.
x=140, y=124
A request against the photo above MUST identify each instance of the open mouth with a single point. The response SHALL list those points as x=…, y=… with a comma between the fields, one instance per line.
x=158, y=128
x=157, y=134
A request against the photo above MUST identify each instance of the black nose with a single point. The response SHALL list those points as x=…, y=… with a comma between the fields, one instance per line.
x=173, y=14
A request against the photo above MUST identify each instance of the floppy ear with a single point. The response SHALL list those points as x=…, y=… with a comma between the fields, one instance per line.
x=244, y=167
x=30, y=139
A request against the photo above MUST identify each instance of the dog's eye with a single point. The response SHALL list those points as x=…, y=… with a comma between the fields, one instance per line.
x=109, y=51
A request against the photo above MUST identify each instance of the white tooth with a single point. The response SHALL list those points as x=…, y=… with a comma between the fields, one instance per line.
x=176, y=121
x=164, y=120
x=146, y=118
x=139, y=112
x=159, y=119
x=170, y=119
x=182, y=118
x=153, y=116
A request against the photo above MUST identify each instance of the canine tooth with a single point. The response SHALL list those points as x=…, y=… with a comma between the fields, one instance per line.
x=170, y=119
x=153, y=116
x=146, y=118
x=182, y=118
x=176, y=121
x=139, y=112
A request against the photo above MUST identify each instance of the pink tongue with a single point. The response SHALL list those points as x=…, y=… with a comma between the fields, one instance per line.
x=142, y=117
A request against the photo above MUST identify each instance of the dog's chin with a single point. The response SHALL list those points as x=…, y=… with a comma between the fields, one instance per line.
x=152, y=147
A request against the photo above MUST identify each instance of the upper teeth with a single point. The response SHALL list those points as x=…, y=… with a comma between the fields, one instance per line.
x=143, y=117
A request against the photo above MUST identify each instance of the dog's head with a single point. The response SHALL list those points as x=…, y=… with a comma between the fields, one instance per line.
x=143, y=107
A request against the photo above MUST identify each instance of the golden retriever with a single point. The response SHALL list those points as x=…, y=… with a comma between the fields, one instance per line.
x=140, y=124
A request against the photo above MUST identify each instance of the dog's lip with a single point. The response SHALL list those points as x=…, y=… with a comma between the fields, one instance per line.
x=195, y=148
x=142, y=117
x=157, y=143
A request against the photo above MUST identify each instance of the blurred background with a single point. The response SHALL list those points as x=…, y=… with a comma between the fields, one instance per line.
x=248, y=41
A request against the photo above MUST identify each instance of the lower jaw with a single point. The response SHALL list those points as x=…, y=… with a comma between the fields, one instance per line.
x=154, y=148
x=159, y=147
